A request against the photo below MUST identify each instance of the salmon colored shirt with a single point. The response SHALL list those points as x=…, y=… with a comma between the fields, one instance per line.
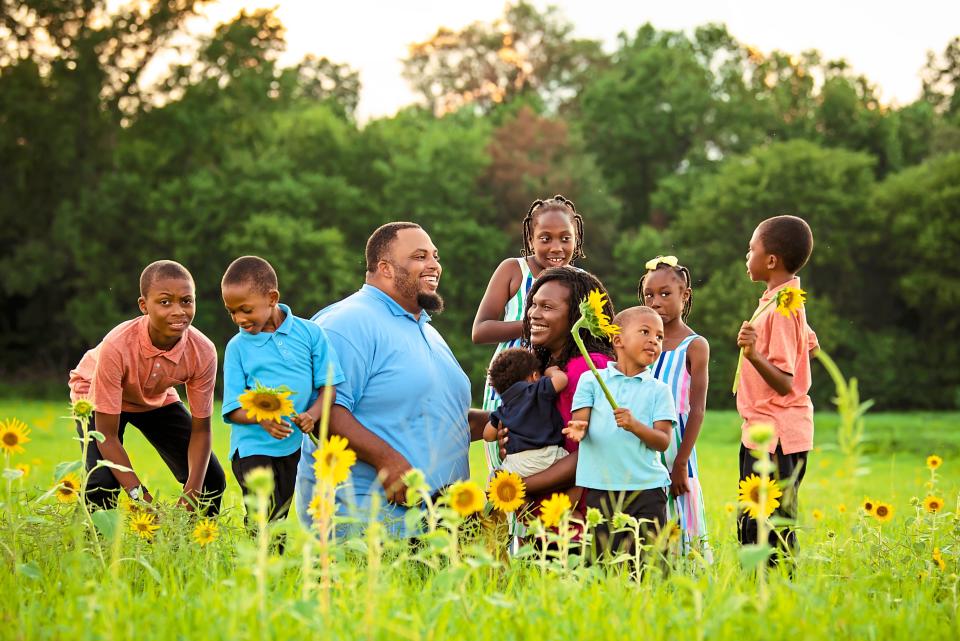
x=127, y=373
x=786, y=342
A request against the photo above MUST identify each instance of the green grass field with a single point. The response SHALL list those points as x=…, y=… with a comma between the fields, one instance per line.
x=854, y=579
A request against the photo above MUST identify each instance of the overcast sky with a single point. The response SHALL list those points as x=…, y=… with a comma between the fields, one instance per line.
x=887, y=41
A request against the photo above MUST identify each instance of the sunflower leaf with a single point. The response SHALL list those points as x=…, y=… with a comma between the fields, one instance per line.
x=753, y=555
x=65, y=468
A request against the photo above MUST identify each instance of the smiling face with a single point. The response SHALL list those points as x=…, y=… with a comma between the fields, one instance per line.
x=169, y=303
x=640, y=340
x=553, y=238
x=548, y=315
x=251, y=310
x=413, y=267
x=665, y=292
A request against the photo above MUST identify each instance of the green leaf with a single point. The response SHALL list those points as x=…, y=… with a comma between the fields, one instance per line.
x=65, y=468
x=30, y=570
x=97, y=435
x=753, y=555
x=107, y=521
x=112, y=465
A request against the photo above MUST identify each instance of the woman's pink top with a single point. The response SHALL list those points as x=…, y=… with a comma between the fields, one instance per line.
x=575, y=368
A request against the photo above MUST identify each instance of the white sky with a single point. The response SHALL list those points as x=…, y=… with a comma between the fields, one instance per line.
x=885, y=40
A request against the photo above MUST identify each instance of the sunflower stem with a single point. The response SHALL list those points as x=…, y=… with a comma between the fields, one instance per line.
x=586, y=355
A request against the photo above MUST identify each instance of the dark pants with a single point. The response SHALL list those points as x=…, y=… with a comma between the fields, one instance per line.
x=790, y=468
x=640, y=504
x=168, y=430
x=284, y=470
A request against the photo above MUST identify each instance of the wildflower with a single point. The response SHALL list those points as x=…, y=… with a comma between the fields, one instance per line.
x=817, y=515
x=466, y=497
x=621, y=520
x=259, y=480
x=594, y=517
x=883, y=512
x=553, y=509
x=729, y=507
x=266, y=403
x=506, y=491
x=334, y=460
x=934, y=461
x=13, y=434
x=594, y=320
x=321, y=508
x=938, y=559
x=205, y=532
x=868, y=506
x=933, y=504
x=82, y=409
x=68, y=488
x=842, y=509
x=760, y=433
x=24, y=469
x=749, y=496
x=144, y=525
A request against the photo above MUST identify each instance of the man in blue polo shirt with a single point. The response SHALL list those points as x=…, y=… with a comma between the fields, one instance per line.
x=405, y=400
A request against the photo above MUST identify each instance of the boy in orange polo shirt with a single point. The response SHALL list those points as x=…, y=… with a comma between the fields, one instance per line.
x=775, y=378
x=130, y=378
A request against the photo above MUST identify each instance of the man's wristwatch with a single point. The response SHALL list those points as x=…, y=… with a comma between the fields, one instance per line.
x=137, y=493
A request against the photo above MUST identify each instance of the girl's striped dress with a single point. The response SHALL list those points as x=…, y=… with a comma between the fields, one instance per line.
x=512, y=312
x=687, y=510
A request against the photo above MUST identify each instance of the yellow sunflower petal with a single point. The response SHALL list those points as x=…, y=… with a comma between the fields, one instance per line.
x=507, y=491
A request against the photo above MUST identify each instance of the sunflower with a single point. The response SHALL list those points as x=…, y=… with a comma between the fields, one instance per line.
x=842, y=509
x=594, y=517
x=205, y=532
x=506, y=491
x=321, y=508
x=933, y=504
x=143, y=524
x=334, y=460
x=934, y=461
x=790, y=300
x=465, y=497
x=266, y=403
x=760, y=433
x=817, y=515
x=729, y=508
x=749, y=496
x=883, y=512
x=553, y=509
x=24, y=468
x=597, y=321
x=13, y=434
x=68, y=488
x=868, y=506
x=938, y=559
x=82, y=409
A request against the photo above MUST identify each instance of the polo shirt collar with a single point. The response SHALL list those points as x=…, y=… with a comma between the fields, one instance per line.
x=770, y=293
x=513, y=391
x=645, y=375
x=394, y=307
x=149, y=350
x=261, y=339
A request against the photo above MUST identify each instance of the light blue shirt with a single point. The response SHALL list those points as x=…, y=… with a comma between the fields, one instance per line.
x=297, y=355
x=611, y=458
x=402, y=383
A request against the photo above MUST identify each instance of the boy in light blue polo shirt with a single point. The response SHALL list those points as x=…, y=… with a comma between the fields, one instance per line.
x=619, y=462
x=273, y=348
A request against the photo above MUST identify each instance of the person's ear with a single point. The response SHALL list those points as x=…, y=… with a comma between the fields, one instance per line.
x=385, y=268
x=142, y=304
x=617, y=340
x=274, y=297
x=772, y=261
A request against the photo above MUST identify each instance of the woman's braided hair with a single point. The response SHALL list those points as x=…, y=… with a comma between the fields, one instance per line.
x=580, y=283
x=557, y=203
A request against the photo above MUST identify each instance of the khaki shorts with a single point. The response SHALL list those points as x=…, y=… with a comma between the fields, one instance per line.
x=530, y=462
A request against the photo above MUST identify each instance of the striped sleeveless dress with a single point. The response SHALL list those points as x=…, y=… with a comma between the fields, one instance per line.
x=513, y=311
x=687, y=510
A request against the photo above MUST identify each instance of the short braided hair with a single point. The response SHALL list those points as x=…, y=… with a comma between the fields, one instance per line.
x=557, y=203
x=580, y=283
x=681, y=272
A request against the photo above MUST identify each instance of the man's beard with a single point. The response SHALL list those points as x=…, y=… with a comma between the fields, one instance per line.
x=409, y=287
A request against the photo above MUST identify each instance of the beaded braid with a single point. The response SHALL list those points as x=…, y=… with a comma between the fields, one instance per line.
x=580, y=283
x=681, y=272
x=559, y=203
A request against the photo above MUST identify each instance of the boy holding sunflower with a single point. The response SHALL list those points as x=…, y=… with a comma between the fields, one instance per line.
x=775, y=379
x=273, y=349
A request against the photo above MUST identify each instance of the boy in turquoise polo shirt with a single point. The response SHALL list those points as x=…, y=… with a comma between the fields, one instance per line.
x=273, y=348
x=619, y=461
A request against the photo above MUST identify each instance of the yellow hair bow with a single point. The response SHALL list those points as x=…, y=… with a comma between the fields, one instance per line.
x=664, y=260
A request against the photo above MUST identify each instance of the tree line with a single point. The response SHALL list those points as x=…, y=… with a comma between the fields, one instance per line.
x=673, y=143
